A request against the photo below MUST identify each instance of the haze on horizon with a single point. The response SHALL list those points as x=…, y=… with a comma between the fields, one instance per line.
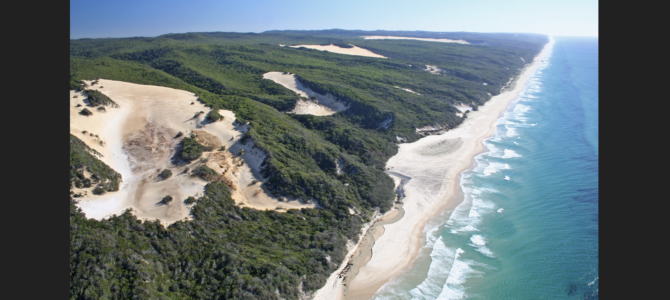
x=151, y=18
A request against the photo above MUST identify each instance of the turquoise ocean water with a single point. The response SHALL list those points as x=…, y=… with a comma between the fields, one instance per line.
x=528, y=226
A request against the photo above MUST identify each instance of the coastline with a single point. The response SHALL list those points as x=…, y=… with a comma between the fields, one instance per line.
x=434, y=189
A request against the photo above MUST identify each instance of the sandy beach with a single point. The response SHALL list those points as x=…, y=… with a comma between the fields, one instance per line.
x=433, y=165
x=379, y=37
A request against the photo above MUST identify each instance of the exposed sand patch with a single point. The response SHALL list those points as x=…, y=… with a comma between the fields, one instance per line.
x=404, y=89
x=463, y=108
x=435, y=70
x=379, y=37
x=323, y=105
x=250, y=192
x=138, y=140
x=348, y=51
x=429, y=192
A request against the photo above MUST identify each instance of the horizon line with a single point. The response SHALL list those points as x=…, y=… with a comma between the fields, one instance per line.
x=248, y=32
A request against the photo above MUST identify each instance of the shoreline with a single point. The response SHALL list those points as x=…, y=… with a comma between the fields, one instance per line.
x=435, y=189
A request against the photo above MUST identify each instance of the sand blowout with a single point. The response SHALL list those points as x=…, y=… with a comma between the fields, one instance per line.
x=140, y=138
x=311, y=102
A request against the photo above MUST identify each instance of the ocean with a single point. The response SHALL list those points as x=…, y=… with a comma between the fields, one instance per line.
x=528, y=224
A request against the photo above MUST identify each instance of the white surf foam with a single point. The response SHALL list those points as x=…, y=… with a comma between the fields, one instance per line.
x=501, y=210
x=494, y=167
x=493, y=150
x=510, y=154
x=461, y=270
x=511, y=131
x=479, y=242
x=438, y=271
x=507, y=178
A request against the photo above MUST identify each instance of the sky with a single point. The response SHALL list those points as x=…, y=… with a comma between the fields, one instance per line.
x=150, y=18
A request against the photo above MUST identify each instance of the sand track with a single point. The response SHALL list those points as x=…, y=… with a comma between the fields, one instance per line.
x=138, y=140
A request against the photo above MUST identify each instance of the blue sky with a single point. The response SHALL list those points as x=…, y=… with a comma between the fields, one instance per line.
x=122, y=18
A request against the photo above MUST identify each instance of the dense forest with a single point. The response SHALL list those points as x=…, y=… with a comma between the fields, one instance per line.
x=240, y=253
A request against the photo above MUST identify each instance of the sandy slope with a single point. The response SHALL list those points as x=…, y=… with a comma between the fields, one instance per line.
x=325, y=105
x=349, y=51
x=139, y=141
x=379, y=37
x=431, y=190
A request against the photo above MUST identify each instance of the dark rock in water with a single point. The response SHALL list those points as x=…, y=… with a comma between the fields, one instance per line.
x=572, y=288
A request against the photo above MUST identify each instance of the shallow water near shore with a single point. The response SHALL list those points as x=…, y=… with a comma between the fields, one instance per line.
x=528, y=224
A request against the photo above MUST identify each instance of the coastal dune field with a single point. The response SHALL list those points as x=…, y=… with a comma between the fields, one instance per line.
x=433, y=163
x=324, y=105
x=139, y=139
x=379, y=37
x=355, y=50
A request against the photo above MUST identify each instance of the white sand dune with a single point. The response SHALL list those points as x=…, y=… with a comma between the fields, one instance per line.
x=379, y=37
x=434, y=183
x=324, y=105
x=138, y=141
x=355, y=50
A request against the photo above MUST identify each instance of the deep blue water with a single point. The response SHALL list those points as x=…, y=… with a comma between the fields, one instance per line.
x=528, y=226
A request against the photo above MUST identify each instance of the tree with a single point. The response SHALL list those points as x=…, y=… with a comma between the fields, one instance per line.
x=98, y=190
x=189, y=200
x=167, y=199
x=191, y=149
x=214, y=115
x=85, y=112
x=165, y=174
